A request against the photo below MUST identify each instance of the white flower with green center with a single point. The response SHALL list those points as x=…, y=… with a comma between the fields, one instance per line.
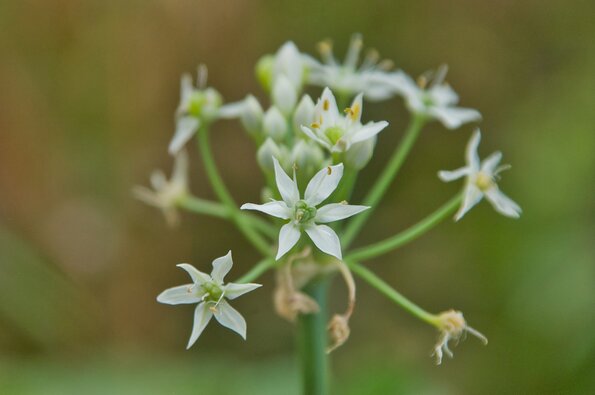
x=198, y=106
x=303, y=214
x=481, y=181
x=335, y=132
x=210, y=293
x=166, y=194
x=435, y=99
x=349, y=79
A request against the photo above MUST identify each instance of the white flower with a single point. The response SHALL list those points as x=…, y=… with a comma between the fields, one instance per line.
x=347, y=78
x=303, y=214
x=199, y=106
x=481, y=181
x=210, y=293
x=336, y=132
x=436, y=100
x=452, y=326
x=166, y=194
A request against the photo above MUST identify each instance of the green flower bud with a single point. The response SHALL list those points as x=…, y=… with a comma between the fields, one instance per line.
x=304, y=114
x=265, y=154
x=264, y=71
x=252, y=115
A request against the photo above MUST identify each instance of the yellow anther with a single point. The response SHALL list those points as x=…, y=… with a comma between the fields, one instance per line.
x=329, y=170
x=422, y=81
x=315, y=125
x=213, y=309
x=325, y=105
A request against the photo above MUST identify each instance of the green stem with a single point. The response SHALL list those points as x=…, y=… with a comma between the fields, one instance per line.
x=385, y=179
x=392, y=294
x=312, y=340
x=408, y=235
x=223, y=194
x=206, y=207
x=256, y=271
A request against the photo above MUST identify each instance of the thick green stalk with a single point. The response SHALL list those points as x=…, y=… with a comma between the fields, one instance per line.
x=408, y=235
x=206, y=207
x=385, y=179
x=223, y=194
x=312, y=338
x=256, y=271
x=392, y=293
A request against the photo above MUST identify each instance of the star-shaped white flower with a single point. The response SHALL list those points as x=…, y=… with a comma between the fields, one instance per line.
x=481, y=181
x=167, y=193
x=198, y=106
x=436, y=100
x=210, y=293
x=349, y=79
x=336, y=132
x=303, y=213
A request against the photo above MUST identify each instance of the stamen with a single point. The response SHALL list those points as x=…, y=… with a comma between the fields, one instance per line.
x=326, y=51
x=329, y=170
x=325, y=105
x=314, y=125
x=203, y=74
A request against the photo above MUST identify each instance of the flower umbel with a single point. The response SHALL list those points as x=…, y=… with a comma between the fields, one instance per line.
x=335, y=132
x=303, y=213
x=452, y=326
x=210, y=293
x=166, y=194
x=434, y=98
x=481, y=181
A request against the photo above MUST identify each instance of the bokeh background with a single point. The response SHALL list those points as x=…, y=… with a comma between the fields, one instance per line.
x=88, y=92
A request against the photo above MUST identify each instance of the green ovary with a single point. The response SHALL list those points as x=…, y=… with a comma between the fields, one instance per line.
x=304, y=213
x=334, y=134
x=213, y=291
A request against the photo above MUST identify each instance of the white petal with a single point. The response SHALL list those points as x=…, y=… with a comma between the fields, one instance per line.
x=182, y=294
x=288, y=237
x=323, y=184
x=146, y=195
x=448, y=176
x=490, y=163
x=454, y=117
x=472, y=196
x=202, y=316
x=336, y=211
x=232, y=110
x=185, y=129
x=325, y=239
x=327, y=106
x=369, y=130
x=471, y=151
x=230, y=318
x=443, y=95
x=233, y=290
x=180, y=171
x=197, y=276
x=315, y=137
x=221, y=266
x=275, y=208
x=502, y=203
x=287, y=187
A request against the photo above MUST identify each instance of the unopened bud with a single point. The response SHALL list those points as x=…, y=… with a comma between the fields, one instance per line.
x=251, y=116
x=359, y=154
x=275, y=124
x=264, y=71
x=304, y=113
x=284, y=95
x=265, y=155
x=307, y=156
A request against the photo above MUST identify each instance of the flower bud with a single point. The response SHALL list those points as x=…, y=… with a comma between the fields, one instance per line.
x=289, y=62
x=275, y=124
x=308, y=157
x=251, y=116
x=265, y=155
x=264, y=71
x=284, y=94
x=359, y=154
x=304, y=113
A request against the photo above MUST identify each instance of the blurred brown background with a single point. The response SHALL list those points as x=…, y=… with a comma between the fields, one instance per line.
x=88, y=92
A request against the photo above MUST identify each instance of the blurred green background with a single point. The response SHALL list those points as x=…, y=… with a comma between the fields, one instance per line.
x=86, y=111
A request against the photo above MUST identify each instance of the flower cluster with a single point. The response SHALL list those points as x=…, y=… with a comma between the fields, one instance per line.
x=311, y=153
